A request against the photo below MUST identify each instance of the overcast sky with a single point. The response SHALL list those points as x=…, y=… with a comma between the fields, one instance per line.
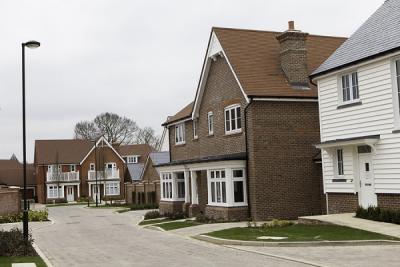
x=140, y=59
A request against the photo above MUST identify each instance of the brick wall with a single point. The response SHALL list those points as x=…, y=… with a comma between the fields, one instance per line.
x=389, y=201
x=342, y=202
x=170, y=207
x=223, y=213
x=221, y=90
x=284, y=181
x=10, y=201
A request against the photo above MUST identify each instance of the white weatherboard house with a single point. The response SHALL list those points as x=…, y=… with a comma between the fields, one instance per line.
x=359, y=87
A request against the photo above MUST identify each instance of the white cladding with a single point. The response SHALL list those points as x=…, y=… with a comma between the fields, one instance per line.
x=374, y=116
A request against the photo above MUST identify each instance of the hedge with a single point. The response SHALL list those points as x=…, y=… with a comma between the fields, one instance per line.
x=379, y=214
x=33, y=216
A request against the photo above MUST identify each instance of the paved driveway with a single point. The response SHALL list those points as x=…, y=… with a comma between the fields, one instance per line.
x=99, y=237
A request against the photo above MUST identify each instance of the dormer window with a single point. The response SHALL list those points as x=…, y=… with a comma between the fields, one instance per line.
x=349, y=87
x=132, y=159
x=180, y=134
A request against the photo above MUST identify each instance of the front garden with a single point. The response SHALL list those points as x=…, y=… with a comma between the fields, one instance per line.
x=14, y=249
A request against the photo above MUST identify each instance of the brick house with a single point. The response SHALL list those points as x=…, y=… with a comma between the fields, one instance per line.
x=244, y=147
x=359, y=90
x=69, y=169
x=11, y=175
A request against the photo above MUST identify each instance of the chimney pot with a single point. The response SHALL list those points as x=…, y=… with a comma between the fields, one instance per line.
x=291, y=25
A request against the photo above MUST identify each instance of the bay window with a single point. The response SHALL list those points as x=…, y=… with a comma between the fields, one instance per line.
x=180, y=134
x=172, y=186
x=233, y=122
x=54, y=191
x=166, y=184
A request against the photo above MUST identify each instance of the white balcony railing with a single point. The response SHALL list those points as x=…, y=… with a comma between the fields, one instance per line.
x=62, y=176
x=101, y=175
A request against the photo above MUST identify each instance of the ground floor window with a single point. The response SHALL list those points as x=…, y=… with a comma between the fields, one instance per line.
x=112, y=189
x=180, y=182
x=166, y=183
x=54, y=191
x=227, y=187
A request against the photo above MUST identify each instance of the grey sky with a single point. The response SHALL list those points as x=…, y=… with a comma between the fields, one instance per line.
x=141, y=59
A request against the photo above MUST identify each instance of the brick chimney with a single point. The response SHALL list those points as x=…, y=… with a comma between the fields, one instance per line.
x=293, y=54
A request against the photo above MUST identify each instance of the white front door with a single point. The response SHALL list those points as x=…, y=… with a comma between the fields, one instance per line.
x=70, y=194
x=367, y=196
x=96, y=192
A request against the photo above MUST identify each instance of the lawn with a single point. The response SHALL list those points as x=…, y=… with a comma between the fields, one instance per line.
x=299, y=232
x=7, y=261
x=176, y=225
x=153, y=221
x=67, y=204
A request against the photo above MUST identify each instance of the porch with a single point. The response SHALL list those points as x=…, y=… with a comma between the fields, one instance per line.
x=214, y=189
x=60, y=192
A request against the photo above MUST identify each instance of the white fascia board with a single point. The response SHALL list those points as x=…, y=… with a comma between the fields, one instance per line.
x=203, y=166
x=285, y=99
x=179, y=122
x=366, y=141
x=214, y=49
x=94, y=146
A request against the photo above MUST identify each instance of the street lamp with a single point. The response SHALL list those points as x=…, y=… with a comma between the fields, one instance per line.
x=95, y=171
x=29, y=44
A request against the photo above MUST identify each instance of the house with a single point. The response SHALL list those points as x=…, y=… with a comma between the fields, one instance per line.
x=359, y=90
x=144, y=182
x=11, y=175
x=244, y=147
x=67, y=170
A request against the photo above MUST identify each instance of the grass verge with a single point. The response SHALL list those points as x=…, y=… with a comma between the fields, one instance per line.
x=7, y=261
x=299, y=232
x=177, y=225
x=67, y=204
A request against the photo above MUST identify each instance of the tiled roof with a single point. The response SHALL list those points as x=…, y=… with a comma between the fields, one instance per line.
x=379, y=34
x=11, y=173
x=184, y=113
x=67, y=151
x=255, y=58
x=142, y=150
x=135, y=171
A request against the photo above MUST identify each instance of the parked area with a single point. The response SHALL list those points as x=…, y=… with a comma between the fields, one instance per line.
x=82, y=245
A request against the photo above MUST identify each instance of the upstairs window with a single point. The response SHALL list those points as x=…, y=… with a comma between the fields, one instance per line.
x=350, y=87
x=180, y=134
x=92, y=167
x=233, y=122
x=195, y=135
x=398, y=78
x=132, y=159
x=210, y=121
x=339, y=162
x=72, y=168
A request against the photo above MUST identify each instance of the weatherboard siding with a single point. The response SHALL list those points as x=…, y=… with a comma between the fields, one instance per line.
x=375, y=116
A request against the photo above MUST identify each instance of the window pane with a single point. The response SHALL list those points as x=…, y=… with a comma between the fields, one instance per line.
x=227, y=121
x=238, y=191
x=237, y=173
x=233, y=119
x=213, y=192
x=223, y=191
x=212, y=174
x=222, y=174
x=218, y=192
x=354, y=80
x=217, y=173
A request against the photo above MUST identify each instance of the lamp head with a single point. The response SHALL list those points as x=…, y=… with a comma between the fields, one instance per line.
x=32, y=44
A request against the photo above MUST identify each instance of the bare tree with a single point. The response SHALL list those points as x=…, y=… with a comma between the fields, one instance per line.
x=112, y=126
x=147, y=136
x=86, y=130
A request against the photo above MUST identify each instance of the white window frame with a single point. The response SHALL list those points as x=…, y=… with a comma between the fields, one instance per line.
x=72, y=168
x=166, y=186
x=229, y=181
x=351, y=86
x=339, y=163
x=180, y=134
x=195, y=130
x=112, y=189
x=132, y=159
x=210, y=122
x=229, y=122
x=92, y=167
x=176, y=183
x=52, y=191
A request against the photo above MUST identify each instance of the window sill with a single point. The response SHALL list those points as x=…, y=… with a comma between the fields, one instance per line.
x=180, y=144
x=195, y=139
x=349, y=104
x=233, y=133
x=226, y=205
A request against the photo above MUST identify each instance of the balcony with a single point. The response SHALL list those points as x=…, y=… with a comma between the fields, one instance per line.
x=62, y=176
x=103, y=175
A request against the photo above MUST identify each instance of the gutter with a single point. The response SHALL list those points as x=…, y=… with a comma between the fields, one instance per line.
x=247, y=156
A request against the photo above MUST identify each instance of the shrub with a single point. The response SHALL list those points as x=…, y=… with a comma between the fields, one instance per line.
x=143, y=206
x=84, y=199
x=12, y=244
x=154, y=214
x=277, y=223
x=10, y=218
x=175, y=215
x=378, y=214
x=33, y=216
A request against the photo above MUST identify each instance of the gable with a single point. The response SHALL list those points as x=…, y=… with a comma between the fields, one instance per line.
x=102, y=142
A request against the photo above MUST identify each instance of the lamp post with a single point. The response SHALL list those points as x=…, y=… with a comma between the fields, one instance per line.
x=95, y=171
x=29, y=44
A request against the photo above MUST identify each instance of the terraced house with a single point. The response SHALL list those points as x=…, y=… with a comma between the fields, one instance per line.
x=359, y=90
x=69, y=169
x=244, y=147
